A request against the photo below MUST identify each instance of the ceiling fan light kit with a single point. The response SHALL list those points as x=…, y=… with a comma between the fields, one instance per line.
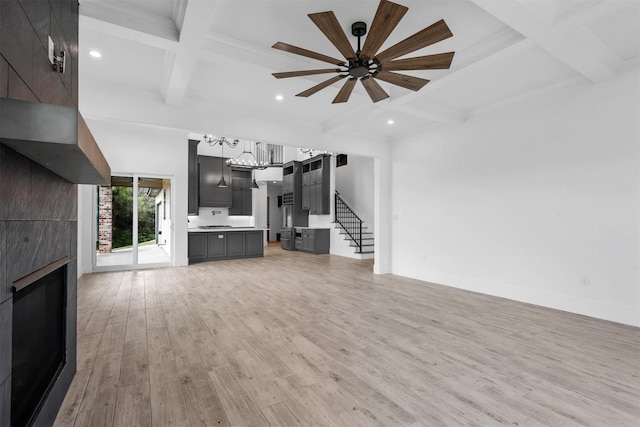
x=365, y=64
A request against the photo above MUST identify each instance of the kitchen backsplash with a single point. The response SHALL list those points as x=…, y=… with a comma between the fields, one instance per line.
x=221, y=217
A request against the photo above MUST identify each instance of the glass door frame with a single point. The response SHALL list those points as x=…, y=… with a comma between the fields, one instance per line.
x=135, y=265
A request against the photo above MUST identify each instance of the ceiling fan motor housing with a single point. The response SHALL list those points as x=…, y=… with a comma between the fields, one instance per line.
x=358, y=67
x=359, y=29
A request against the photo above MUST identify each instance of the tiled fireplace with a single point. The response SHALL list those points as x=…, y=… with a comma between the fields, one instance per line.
x=38, y=235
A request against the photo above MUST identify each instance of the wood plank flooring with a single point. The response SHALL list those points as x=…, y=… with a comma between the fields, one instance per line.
x=294, y=339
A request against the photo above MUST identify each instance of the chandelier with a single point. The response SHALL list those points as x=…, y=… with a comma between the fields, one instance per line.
x=246, y=160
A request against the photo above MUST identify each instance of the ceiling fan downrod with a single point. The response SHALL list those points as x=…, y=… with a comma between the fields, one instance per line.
x=360, y=66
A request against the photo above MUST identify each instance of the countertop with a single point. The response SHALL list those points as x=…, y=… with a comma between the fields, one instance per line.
x=209, y=230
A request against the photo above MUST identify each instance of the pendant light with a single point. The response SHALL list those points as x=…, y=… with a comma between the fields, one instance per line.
x=222, y=183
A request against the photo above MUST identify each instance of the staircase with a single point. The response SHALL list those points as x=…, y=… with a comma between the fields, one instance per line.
x=352, y=228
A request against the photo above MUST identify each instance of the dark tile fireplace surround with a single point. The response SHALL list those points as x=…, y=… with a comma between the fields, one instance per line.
x=38, y=214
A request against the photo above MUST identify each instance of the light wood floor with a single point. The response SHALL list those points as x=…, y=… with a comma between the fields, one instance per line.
x=297, y=339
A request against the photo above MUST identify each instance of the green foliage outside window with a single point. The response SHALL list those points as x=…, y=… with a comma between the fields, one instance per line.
x=122, y=225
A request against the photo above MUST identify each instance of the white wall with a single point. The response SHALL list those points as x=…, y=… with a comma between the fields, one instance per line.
x=148, y=150
x=538, y=202
x=86, y=224
x=354, y=182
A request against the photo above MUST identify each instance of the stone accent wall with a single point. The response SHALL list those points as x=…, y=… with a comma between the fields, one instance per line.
x=38, y=226
x=38, y=209
x=105, y=216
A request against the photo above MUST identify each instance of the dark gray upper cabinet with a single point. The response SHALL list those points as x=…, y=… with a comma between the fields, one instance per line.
x=192, y=178
x=241, y=200
x=316, y=176
x=211, y=169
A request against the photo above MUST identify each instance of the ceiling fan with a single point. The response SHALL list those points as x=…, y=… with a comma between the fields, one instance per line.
x=365, y=64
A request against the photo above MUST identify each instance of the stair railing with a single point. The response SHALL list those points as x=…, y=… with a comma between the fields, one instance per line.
x=349, y=221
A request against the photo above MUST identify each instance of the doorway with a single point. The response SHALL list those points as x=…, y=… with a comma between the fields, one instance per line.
x=133, y=223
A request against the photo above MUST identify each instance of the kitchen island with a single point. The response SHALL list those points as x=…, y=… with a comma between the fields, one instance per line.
x=214, y=243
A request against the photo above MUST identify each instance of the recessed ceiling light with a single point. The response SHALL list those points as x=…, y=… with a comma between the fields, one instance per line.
x=390, y=121
x=95, y=54
x=279, y=97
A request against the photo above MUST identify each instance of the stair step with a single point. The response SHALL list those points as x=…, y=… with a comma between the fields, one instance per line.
x=365, y=252
x=364, y=229
x=347, y=237
x=368, y=233
x=353, y=245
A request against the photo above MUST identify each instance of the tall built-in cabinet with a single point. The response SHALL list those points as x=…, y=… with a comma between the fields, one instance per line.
x=292, y=195
x=241, y=201
x=316, y=177
x=192, y=183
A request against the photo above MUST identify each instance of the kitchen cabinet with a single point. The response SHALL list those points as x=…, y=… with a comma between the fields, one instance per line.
x=221, y=245
x=192, y=178
x=316, y=175
x=289, y=172
x=210, y=171
x=315, y=240
x=235, y=243
x=293, y=214
x=241, y=198
x=217, y=244
x=197, y=248
x=253, y=244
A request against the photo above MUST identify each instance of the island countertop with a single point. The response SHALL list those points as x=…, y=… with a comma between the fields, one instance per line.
x=214, y=229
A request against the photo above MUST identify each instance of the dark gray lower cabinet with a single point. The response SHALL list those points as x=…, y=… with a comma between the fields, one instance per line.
x=197, y=246
x=253, y=244
x=315, y=240
x=236, y=243
x=219, y=245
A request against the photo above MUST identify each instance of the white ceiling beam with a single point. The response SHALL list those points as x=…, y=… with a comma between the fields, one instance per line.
x=433, y=112
x=179, y=66
x=129, y=21
x=118, y=31
x=553, y=38
x=586, y=12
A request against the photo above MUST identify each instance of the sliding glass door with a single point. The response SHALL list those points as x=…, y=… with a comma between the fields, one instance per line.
x=134, y=223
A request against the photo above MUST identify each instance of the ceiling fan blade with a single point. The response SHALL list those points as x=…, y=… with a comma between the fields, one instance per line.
x=308, y=53
x=375, y=91
x=428, y=36
x=439, y=61
x=304, y=73
x=408, y=82
x=384, y=22
x=345, y=91
x=320, y=86
x=329, y=25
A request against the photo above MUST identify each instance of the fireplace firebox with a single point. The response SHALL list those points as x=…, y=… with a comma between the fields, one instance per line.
x=39, y=342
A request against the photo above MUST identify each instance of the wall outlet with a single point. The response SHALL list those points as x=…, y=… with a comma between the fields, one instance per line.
x=585, y=280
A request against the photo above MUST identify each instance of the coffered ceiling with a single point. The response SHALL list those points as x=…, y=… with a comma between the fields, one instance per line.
x=192, y=64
